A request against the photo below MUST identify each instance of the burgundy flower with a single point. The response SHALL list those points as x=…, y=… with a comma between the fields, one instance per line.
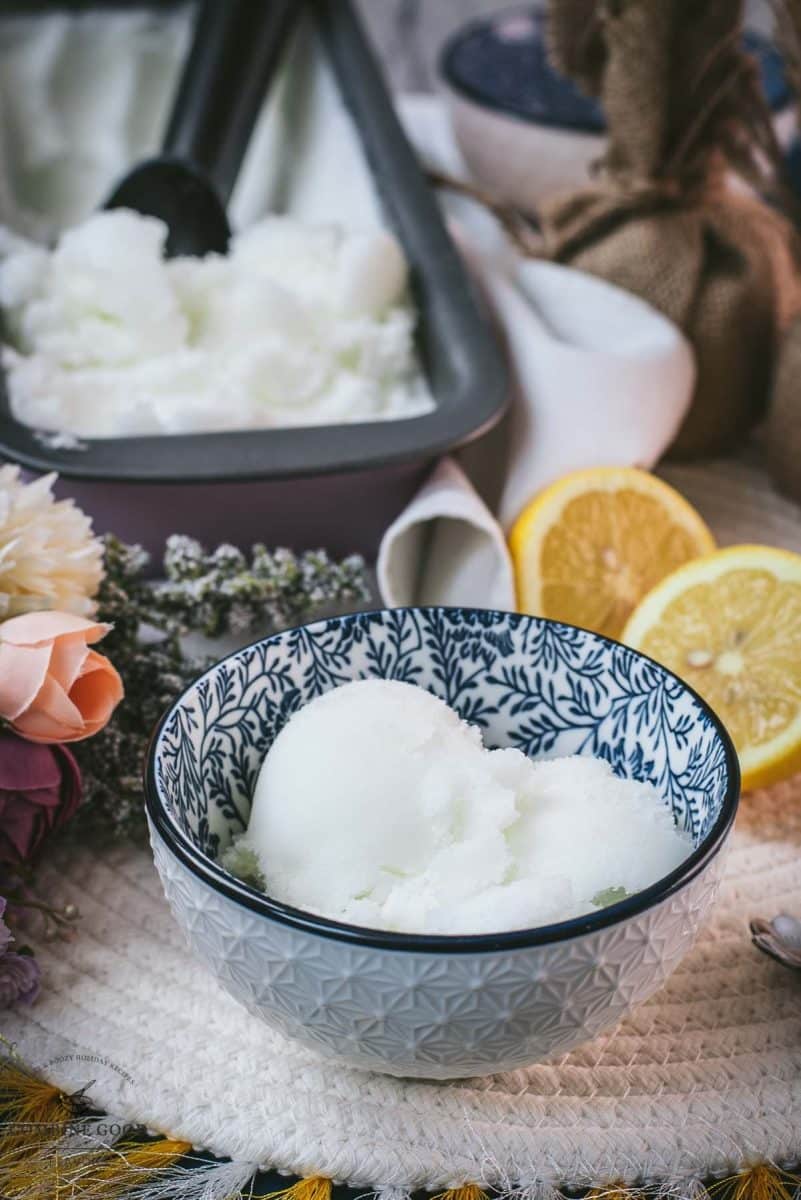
x=19, y=979
x=40, y=789
x=5, y=932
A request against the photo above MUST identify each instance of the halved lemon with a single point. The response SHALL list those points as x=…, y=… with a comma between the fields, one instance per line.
x=588, y=548
x=730, y=624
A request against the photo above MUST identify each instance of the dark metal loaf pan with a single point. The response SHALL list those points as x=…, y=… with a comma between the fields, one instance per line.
x=336, y=486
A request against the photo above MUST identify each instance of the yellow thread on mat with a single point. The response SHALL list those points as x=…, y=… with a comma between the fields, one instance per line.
x=113, y=1173
x=315, y=1188
x=105, y=1173
x=32, y=1113
x=615, y=1191
x=758, y=1183
x=468, y=1191
x=35, y=1160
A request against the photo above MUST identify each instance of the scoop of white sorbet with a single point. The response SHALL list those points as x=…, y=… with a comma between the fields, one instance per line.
x=377, y=805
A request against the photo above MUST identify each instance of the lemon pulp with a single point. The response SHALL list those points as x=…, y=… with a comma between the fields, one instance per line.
x=730, y=625
x=592, y=545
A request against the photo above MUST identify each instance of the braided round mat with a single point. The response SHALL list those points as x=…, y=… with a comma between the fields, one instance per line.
x=703, y=1078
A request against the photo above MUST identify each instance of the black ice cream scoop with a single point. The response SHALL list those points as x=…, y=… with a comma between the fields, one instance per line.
x=235, y=49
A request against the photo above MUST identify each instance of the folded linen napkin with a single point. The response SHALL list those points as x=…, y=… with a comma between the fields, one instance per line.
x=599, y=378
x=446, y=548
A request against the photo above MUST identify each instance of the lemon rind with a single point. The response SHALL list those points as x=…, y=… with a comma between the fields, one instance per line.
x=530, y=526
x=771, y=761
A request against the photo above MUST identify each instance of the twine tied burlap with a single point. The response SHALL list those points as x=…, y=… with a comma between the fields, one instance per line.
x=667, y=217
x=783, y=440
x=784, y=424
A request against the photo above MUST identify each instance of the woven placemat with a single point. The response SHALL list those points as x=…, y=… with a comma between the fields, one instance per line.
x=737, y=499
x=704, y=1078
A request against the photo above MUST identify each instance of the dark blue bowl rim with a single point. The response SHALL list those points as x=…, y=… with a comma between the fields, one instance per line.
x=454, y=80
x=251, y=898
x=471, y=91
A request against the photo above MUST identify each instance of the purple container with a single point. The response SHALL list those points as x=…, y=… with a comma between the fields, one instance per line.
x=334, y=486
x=345, y=513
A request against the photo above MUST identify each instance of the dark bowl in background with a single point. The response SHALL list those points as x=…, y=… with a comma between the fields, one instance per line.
x=336, y=486
x=525, y=130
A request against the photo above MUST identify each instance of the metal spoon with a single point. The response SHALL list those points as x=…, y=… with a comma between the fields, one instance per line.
x=780, y=938
x=235, y=49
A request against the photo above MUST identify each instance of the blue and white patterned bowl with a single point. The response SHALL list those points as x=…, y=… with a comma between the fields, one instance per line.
x=439, y=1006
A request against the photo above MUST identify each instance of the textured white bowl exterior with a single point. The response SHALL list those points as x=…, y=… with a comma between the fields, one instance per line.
x=526, y=164
x=448, y=1007
x=520, y=162
x=436, y=1016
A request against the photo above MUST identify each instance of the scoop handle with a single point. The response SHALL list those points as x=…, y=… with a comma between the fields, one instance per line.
x=235, y=49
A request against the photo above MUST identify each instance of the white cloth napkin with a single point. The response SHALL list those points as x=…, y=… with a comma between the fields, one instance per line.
x=598, y=377
x=446, y=548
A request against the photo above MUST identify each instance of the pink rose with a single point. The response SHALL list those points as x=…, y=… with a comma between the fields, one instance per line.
x=40, y=789
x=53, y=688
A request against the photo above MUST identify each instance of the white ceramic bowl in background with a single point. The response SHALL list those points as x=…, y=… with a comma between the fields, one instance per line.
x=439, y=1006
x=527, y=133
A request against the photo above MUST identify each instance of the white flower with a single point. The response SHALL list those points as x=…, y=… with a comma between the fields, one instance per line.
x=49, y=557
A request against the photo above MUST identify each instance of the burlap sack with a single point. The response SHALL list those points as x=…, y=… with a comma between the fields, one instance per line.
x=784, y=424
x=665, y=220
x=783, y=442
x=576, y=41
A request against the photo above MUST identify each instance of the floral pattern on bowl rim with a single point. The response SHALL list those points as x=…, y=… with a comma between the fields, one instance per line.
x=544, y=687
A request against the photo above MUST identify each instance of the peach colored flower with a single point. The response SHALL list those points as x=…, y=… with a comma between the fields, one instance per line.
x=48, y=555
x=53, y=688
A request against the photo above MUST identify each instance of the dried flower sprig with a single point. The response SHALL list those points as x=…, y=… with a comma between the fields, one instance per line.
x=213, y=593
x=29, y=911
x=223, y=592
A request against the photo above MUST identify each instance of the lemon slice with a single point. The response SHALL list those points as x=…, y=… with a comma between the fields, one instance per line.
x=588, y=548
x=730, y=624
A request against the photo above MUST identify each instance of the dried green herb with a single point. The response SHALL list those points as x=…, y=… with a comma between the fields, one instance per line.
x=213, y=593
